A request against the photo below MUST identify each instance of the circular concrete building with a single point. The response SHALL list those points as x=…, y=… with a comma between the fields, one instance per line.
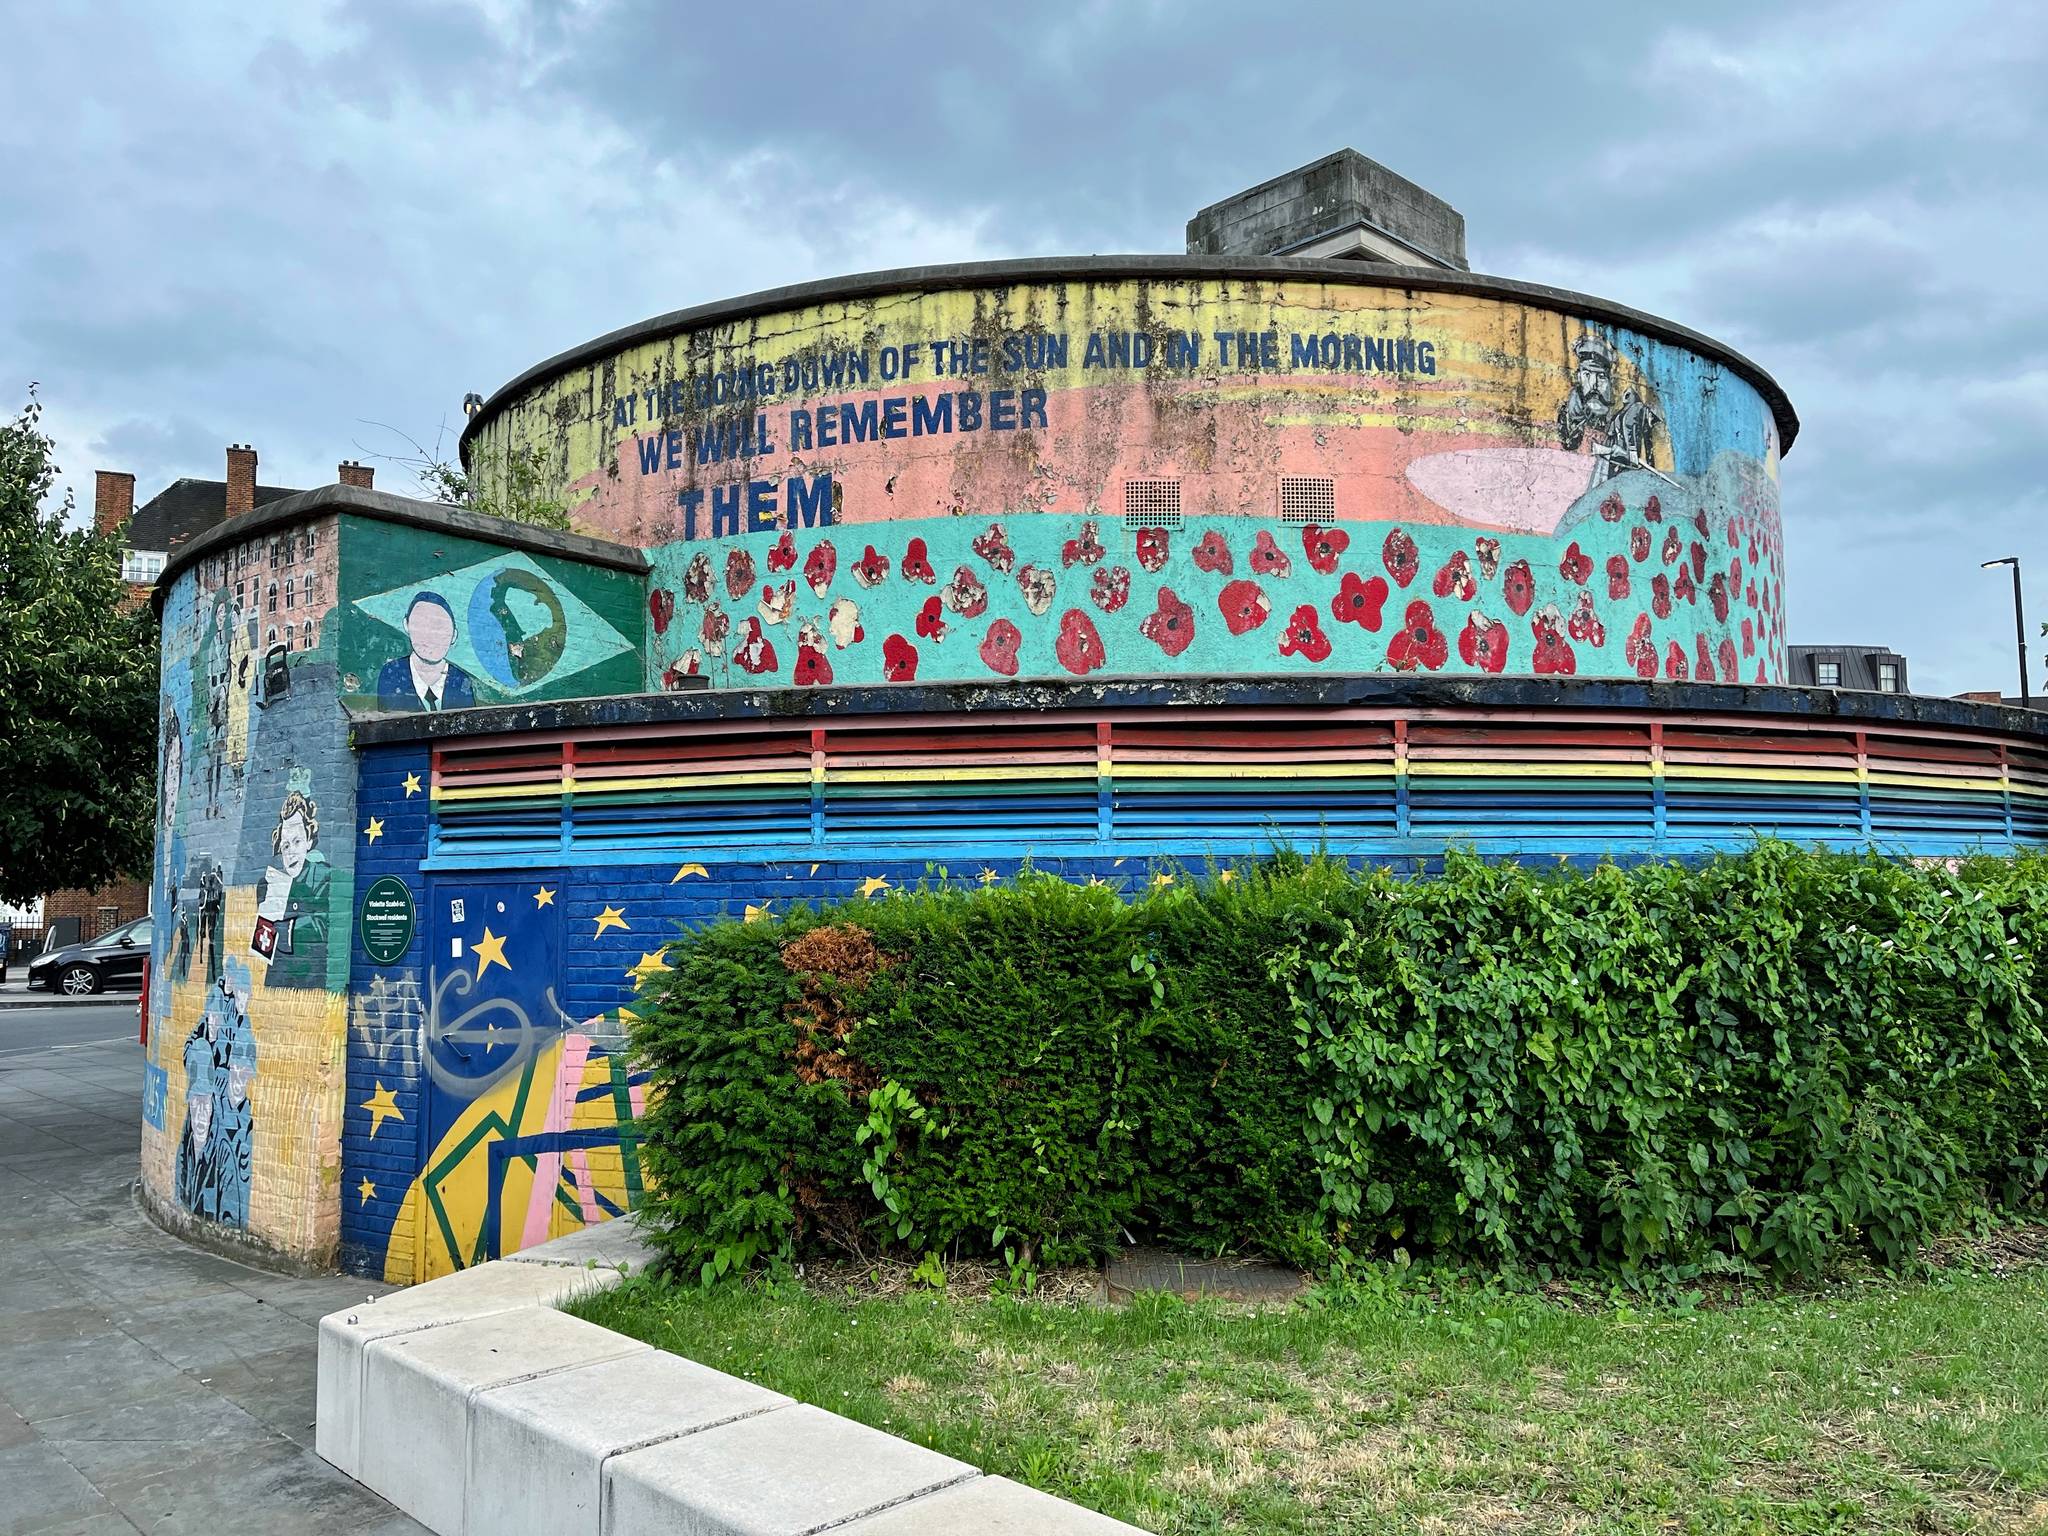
x=1173, y=467
x=1116, y=566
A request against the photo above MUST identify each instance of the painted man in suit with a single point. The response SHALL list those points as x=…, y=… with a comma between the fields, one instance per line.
x=425, y=679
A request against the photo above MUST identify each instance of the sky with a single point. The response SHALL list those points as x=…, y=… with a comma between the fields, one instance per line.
x=314, y=227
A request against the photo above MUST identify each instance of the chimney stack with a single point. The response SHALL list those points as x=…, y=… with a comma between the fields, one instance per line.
x=113, y=501
x=241, y=479
x=357, y=475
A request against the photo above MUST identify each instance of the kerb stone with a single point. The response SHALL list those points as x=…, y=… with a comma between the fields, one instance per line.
x=795, y=1470
x=537, y=1449
x=988, y=1506
x=418, y=1391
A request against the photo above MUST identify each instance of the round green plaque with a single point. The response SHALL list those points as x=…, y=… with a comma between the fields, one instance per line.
x=386, y=919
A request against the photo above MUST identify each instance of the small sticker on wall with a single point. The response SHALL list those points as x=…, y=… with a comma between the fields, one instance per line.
x=455, y=948
x=455, y=912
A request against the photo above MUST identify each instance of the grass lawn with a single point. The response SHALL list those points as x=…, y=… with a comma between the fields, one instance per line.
x=1873, y=1406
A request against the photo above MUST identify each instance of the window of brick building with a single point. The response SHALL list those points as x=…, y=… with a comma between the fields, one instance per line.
x=270, y=601
x=1887, y=677
x=1828, y=673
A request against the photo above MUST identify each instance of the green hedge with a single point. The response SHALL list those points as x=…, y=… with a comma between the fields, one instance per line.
x=1754, y=1065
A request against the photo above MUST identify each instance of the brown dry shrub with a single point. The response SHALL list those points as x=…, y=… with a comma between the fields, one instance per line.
x=834, y=962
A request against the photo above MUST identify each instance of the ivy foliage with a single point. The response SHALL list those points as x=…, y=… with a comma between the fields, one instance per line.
x=1760, y=1065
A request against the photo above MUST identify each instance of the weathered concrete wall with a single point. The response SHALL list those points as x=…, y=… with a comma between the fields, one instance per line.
x=935, y=485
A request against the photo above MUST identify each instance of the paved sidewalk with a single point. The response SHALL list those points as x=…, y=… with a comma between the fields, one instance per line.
x=144, y=1385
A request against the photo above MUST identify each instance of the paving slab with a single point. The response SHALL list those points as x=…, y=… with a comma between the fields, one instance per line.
x=784, y=1473
x=145, y=1385
x=537, y=1448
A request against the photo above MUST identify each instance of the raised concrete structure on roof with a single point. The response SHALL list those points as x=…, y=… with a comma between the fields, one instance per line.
x=1341, y=207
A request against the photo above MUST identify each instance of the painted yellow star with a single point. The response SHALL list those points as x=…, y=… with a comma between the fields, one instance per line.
x=490, y=951
x=874, y=883
x=412, y=785
x=382, y=1106
x=989, y=876
x=1097, y=882
x=1161, y=880
x=544, y=897
x=628, y=1016
x=1225, y=876
x=650, y=964
x=755, y=914
x=610, y=917
x=814, y=869
x=366, y=1191
x=692, y=869
x=374, y=830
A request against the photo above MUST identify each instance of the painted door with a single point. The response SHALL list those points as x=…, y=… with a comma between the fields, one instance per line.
x=494, y=1054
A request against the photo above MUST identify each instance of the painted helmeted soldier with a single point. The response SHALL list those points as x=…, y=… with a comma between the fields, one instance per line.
x=1619, y=434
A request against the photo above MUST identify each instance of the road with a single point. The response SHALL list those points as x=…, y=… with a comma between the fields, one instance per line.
x=144, y=1385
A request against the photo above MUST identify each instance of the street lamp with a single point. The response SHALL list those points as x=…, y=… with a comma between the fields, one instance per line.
x=2019, y=623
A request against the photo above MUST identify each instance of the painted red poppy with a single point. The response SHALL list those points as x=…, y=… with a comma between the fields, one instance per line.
x=661, y=607
x=1268, y=558
x=1660, y=595
x=1674, y=662
x=1717, y=597
x=1488, y=552
x=1702, y=663
x=1359, y=602
x=1111, y=588
x=1735, y=574
x=756, y=653
x=931, y=621
x=1699, y=521
x=1418, y=643
x=899, y=659
x=1321, y=547
x=1682, y=590
x=1697, y=553
x=782, y=555
x=1304, y=635
x=1653, y=510
x=1483, y=643
x=1171, y=626
x=697, y=579
x=820, y=566
x=1039, y=586
x=1674, y=546
x=1455, y=579
x=1725, y=654
x=965, y=594
x=1078, y=646
x=1639, y=543
x=714, y=629
x=1611, y=509
x=998, y=648
x=1617, y=576
x=993, y=545
x=1518, y=587
x=1640, y=650
x=1244, y=606
x=739, y=574
x=1086, y=549
x=1400, y=557
x=872, y=568
x=1554, y=656
x=1748, y=638
x=1152, y=548
x=1585, y=625
x=812, y=668
x=917, y=565
x=1213, y=554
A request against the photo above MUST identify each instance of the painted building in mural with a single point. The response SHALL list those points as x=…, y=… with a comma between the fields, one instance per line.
x=1119, y=566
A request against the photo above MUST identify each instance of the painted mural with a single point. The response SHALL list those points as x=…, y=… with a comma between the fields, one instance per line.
x=471, y=623
x=1188, y=476
x=243, y=1068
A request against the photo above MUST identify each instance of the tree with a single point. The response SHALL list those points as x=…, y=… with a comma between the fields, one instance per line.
x=78, y=688
x=526, y=492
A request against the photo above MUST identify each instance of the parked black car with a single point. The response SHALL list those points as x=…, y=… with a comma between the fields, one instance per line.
x=114, y=959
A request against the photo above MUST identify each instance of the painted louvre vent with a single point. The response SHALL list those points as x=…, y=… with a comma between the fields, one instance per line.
x=1152, y=504
x=1306, y=499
